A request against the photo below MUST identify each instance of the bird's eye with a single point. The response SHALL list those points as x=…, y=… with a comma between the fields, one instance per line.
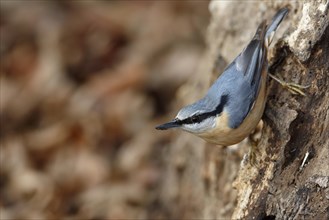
x=195, y=119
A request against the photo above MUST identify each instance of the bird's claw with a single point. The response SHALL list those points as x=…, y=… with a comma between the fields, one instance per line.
x=294, y=88
x=253, y=152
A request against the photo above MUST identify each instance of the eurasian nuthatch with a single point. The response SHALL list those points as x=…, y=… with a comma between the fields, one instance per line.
x=234, y=104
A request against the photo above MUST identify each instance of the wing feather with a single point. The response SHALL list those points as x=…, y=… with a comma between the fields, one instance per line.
x=246, y=74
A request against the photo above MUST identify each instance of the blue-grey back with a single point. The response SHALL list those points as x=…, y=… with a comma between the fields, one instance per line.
x=241, y=94
x=240, y=81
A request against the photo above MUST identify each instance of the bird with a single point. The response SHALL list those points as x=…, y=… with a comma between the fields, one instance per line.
x=234, y=104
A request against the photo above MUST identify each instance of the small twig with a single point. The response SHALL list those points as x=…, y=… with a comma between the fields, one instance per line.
x=304, y=160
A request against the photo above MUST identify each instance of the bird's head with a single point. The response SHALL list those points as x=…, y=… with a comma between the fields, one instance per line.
x=198, y=117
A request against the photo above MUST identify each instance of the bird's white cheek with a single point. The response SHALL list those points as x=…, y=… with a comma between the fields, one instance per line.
x=190, y=128
x=202, y=127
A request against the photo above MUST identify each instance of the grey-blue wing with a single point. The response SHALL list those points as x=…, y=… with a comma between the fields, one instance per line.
x=241, y=79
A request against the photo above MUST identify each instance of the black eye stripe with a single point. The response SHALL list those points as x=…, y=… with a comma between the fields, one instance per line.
x=200, y=117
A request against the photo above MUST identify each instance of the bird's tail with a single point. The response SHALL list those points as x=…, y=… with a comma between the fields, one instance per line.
x=276, y=20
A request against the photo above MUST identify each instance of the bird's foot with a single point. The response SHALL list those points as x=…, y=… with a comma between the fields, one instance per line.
x=254, y=139
x=294, y=88
x=253, y=152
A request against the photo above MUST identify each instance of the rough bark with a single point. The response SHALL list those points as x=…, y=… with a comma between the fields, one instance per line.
x=291, y=180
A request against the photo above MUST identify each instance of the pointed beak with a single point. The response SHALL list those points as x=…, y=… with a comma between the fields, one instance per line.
x=166, y=126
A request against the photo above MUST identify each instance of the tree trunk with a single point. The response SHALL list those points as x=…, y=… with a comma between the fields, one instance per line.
x=291, y=178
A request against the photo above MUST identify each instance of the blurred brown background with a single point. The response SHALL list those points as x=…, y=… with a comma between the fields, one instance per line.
x=83, y=83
